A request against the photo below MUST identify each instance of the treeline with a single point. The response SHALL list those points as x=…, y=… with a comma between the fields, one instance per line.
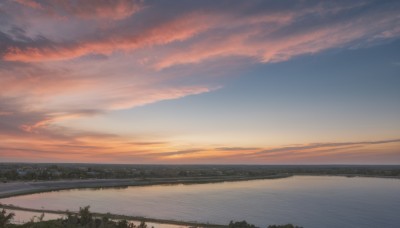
x=85, y=219
x=12, y=171
x=244, y=224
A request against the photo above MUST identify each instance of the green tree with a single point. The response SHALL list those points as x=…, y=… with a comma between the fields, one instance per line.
x=125, y=224
x=71, y=219
x=85, y=216
x=242, y=224
x=5, y=218
x=142, y=225
x=284, y=226
x=105, y=219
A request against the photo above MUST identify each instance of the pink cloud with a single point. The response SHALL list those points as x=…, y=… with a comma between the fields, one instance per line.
x=86, y=9
x=271, y=48
x=200, y=35
x=57, y=57
x=30, y=3
x=3, y=113
x=178, y=29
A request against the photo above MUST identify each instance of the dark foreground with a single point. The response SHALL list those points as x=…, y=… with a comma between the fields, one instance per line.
x=85, y=219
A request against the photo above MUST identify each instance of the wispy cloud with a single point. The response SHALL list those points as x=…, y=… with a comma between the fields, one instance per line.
x=316, y=146
x=71, y=59
x=86, y=9
x=267, y=32
x=237, y=148
x=109, y=40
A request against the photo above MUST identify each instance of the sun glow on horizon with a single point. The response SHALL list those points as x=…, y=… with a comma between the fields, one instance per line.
x=144, y=82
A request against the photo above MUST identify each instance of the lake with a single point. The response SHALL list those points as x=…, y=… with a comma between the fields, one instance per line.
x=309, y=201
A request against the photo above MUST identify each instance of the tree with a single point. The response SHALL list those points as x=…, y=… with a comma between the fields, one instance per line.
x=125, y=224
x=284, y=226
x=142, y=224
x=122, y=224
x=105, y=219
x=71, y=219
x=242, y=224
x=5, y=218
x=85, y=216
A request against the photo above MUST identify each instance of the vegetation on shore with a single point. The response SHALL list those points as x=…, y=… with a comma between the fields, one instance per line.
x=86, y=219
x=244, y=224
x=119, y=217
x=32, y=172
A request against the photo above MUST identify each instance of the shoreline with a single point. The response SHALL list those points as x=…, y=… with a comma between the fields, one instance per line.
x=12, y=189
x=119, y=217
x=25, y=188
x=347, y=175
x=19, y=188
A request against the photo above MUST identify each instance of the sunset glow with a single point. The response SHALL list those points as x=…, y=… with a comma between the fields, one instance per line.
x=200, y=82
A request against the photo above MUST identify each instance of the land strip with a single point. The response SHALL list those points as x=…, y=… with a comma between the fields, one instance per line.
x=23, y=188
x=119, y=217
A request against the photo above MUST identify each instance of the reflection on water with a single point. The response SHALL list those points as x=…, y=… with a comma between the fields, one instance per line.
x=26, y=216
x=309, y=201
x=22, y=217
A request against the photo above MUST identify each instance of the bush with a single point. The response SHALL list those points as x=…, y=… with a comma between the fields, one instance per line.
x=242, y=224
x=284, y=226
x=5, y=218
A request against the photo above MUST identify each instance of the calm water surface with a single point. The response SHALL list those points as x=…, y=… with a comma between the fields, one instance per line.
x=22, y=217
x=309, y=201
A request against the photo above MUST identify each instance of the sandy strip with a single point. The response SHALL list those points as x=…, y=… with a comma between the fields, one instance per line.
x=22, y=188
x=30, y=187
x=159, y=222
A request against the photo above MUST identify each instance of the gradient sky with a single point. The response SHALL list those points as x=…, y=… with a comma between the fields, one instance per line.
x=227, y=82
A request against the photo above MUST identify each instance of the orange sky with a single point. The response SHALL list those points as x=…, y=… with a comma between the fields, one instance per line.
x=136, y=81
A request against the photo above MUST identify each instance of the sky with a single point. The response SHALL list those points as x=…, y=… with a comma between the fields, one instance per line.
x=200, y=82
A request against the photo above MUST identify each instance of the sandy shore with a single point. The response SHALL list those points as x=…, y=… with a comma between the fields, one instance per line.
x=118, y=217
x=30, y=187
x=23, y=188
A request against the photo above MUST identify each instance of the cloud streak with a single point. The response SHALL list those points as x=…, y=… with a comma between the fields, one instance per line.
x=199, y=35
x=64, y=60
x=316, y=146
x=90, y=9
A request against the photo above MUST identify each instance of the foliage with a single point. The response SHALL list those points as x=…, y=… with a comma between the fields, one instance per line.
x=85, y=219
x=284, y=226
x=5, y=218
x=15, y=171
x=242, y=224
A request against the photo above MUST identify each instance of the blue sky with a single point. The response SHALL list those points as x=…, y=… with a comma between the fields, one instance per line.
x=338, y=90
x=200, y=82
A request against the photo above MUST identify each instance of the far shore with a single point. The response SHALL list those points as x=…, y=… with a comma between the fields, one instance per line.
x=24, y=188
x=17, y=188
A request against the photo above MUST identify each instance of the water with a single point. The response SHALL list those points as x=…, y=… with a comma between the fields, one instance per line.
x=309, y=201
x=22, y=217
